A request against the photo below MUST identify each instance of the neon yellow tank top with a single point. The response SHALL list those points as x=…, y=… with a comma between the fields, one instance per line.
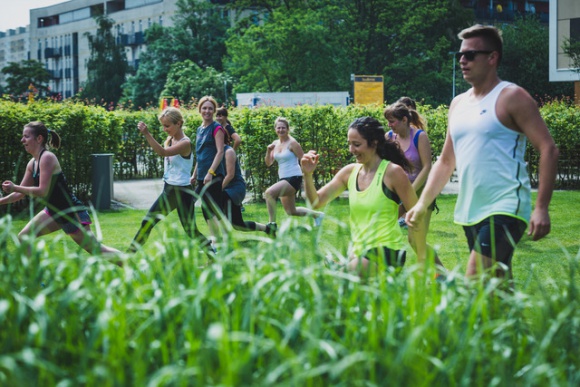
x=373, y=216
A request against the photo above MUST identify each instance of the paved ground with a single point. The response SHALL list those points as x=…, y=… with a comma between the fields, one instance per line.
x=141, y=194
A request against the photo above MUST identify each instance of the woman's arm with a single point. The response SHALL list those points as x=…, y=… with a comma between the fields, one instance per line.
x=177, y=147
x=48, y=166
x=296, y=149
x=219, y=144
x=269, y=158
x=230, y=167
x=424, y=148
x=396, y=180
x=8, y=185
x=330, y=191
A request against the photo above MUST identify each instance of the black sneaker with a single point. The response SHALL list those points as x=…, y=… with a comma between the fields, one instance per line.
x=271, y=228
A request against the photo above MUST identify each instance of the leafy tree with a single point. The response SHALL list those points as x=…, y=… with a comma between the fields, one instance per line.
x=21, y=75
x=187, y=81
x=198, y=36
x=107, y=66
x=316, y=45
x=526, y=59
x=571, y=47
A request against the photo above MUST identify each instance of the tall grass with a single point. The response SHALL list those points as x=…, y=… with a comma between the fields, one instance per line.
x=269, y=312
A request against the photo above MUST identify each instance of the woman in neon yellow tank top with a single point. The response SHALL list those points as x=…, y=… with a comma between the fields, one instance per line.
x=377, y=182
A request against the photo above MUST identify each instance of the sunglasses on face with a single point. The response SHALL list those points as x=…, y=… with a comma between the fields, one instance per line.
x=470, y=55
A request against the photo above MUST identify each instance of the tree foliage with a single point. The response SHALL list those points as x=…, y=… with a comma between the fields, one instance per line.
x=571, y=47
x=526, y=58
x=187, y=81
x=21, y=75
x=107, y=66
x=198, y=35
x=316, y=45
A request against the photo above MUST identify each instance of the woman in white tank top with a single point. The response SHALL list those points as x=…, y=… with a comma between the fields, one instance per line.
x=287, y=152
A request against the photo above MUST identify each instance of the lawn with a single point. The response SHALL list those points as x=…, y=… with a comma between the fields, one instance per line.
x=268, y=311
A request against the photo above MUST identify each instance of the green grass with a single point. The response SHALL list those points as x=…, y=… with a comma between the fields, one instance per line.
x=268, y=312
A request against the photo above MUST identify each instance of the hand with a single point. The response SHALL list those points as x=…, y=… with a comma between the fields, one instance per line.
x=271, y=147
x=309, y=162
x=415, y=216
x=539, y=224
x=142, y=127
x=207, y=178
x=8, y=186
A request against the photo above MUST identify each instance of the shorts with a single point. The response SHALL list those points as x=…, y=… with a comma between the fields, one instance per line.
x=496, y=237
x=294, y=181
x=68, y=225
x=393, y=258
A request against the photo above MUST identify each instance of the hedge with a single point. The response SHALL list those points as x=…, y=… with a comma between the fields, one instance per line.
x=86, y=130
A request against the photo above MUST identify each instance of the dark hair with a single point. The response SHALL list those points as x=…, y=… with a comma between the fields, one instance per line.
x=399, y=110
x=410, y=102
x=490, y=35
x=51, y=138
x=374, y=133
x=223, y=112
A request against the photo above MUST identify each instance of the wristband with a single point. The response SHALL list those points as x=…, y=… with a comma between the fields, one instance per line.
x=211, y=172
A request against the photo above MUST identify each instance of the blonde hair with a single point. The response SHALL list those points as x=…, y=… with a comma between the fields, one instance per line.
x=206, y=99
x=284, y=120
x=174, y=116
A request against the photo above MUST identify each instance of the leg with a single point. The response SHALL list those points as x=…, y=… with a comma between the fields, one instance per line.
x=211, y=203
x=186, y=212
x=491, y=241
x=41, y=224
x=156, y=212
x=272, y=194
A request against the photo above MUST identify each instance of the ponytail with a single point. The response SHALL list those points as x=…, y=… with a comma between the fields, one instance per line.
x=51, y=139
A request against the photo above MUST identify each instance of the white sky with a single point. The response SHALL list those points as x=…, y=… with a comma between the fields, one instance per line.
x=16, y=13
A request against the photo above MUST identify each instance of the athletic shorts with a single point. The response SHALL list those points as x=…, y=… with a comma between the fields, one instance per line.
x=71, y=226
x=496, y=237
x=294, y=181
x=393, y=258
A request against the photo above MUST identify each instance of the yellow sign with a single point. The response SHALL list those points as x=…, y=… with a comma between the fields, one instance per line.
x=369, y=89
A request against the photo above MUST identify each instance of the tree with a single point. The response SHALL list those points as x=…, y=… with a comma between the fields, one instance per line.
x=526, y=59
x=571, y=47
x=317, y=44
x=198, y=36
x=107, y=66
x=187, y=81
x=21, y=75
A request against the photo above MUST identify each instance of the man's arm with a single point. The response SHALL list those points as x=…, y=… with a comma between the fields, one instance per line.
x=518, y=111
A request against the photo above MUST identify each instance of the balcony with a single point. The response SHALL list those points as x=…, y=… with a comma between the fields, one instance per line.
x=50, y=52
x=135, y=39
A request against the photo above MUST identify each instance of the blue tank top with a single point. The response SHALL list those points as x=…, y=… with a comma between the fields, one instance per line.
x=236, y=188
x=205, y=150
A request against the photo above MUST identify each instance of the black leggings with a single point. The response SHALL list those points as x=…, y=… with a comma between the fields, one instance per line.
x=234, y=215
x=172, y=197
x=211, y=197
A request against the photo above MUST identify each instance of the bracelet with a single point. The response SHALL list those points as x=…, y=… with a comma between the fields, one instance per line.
x=211, y=172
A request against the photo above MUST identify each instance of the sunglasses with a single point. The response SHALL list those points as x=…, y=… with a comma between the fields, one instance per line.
x=470, y=55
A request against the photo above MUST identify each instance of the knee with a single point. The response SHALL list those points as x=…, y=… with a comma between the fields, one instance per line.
x=269, y=194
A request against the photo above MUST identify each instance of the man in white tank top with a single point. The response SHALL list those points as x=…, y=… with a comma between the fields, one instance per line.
x=486, y=140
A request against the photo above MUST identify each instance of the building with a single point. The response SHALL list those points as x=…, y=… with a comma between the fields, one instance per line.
x=14, y=47
x=506, y=11
x=57, y=37
x=564, y=24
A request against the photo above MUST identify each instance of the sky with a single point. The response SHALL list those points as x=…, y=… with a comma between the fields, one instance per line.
x=16, y=13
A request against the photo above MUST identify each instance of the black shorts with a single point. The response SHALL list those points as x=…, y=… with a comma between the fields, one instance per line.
x=495, y=237
x=294, y=181
x=72, y=223
x=393, y=258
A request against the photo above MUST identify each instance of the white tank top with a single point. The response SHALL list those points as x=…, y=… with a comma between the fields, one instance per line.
x=288, y=165
x=490, y=162
x=178, y=168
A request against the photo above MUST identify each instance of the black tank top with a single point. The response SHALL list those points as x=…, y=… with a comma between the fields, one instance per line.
x=59, y=198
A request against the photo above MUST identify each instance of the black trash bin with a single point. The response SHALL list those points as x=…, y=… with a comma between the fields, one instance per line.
x=102, y=180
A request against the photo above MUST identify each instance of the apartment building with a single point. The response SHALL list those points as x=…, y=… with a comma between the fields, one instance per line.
x=14, y=47
x=564, y=24
x=57, y=37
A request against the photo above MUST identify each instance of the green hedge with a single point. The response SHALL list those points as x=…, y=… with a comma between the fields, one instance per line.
x=88, y=129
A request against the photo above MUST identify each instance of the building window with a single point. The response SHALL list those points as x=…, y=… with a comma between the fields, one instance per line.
x=575, y=29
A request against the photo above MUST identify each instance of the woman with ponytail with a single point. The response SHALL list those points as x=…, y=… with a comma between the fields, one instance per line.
x=376, y=183
x=44, y=179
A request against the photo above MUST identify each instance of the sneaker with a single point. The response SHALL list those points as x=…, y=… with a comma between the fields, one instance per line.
x=440, y=278
x=271, y=228
x=318, y=220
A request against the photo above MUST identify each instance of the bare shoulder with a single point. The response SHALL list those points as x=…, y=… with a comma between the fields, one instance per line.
x=516, y=109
